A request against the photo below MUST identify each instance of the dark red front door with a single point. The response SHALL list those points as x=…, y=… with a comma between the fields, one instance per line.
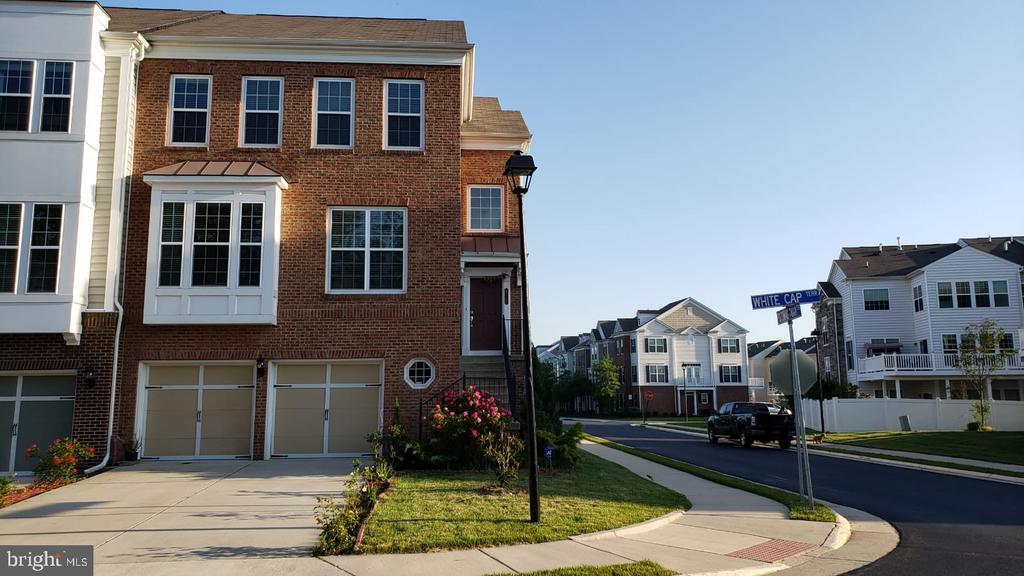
x=485, y=313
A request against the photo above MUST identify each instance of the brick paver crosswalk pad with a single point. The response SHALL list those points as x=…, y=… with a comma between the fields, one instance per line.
x=772, y=550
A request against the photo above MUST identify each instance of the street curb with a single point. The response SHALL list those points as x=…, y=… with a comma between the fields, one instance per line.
x=631, y=529
x=838, y=453
x=752, y=571
x=840, y=534
x=673, y=429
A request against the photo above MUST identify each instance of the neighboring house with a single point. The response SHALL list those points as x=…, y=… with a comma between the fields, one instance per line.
x=760, y=369
x=896, y=315
x=807, y=345
x=318, y=227
x=688, y=357
x=583, y=354
x=66, y=140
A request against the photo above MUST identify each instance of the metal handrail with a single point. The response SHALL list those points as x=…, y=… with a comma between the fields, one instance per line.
x=510, y=377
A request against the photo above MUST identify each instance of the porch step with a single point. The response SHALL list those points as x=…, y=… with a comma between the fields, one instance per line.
x=483, y=366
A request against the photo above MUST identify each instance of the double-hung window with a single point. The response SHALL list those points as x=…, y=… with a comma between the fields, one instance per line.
x=945, y=294
x=1006, y=342
x=876, y=299
x=1000, y=293
x=963, y=294
x=44, y=247
x=211, y=244
x=404, y=111
x=190, y=110
x=15, y=94
x=367, y=250
x=656, y=345
x=56, y=110
x=485, y=208
x=172, y=240
x=729, y=374
x=250, y=244
x=262, y=99
x=729, y=345
x=657, y=374
x=850, y=365
x=981, y=295
x=949, y=344
x=10, y=239
x=918, y=298
x=333, y=120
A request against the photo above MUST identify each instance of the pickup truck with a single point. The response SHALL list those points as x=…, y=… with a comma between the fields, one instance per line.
x=747, y=422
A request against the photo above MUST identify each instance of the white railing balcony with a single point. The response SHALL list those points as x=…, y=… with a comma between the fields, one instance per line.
x=893, y=363
x=756, y=382
x=691, y=383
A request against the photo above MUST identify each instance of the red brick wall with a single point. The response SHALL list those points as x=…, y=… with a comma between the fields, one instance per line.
x=424, y=322
x=731, y=394
x=663, y=403
x=486, y=167
x=28, y=352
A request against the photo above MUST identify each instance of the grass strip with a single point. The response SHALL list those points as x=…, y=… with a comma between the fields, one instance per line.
x=797, y=509
x=643, y=568
x=1001, y=447
x=937, y=464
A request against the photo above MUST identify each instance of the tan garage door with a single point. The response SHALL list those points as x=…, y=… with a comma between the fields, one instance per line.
x=326, y=409
x=198, y=410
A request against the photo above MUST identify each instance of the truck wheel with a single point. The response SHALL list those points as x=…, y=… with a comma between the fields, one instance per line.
x=745, y=440
x=711, y=435
x=784, y=443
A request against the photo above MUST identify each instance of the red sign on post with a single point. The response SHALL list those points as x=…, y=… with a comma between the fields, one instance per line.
x=648, y=395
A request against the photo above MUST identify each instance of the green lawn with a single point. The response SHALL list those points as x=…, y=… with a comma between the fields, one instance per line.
x=430, y=510
x=797, y=509
x=644, y=568
x=1004, y=447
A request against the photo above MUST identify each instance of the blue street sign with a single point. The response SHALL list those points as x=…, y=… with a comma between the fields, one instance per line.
x=781, y=299
x=549, y=453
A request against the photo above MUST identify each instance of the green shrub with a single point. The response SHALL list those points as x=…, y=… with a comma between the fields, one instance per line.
x=7, y=484
x=394, y=446
x=973, y=426
x=503, y=451
x=339, y=522
x=62, y=461
x=565, y=444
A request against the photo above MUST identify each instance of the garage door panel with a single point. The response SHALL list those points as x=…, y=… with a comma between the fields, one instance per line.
x=6, y=429
x=40, y=422
x=352, y=373
x=8, y=385
x=227, y=418
x=174, y=375
x=354, y=414
x=302, y=374
x=48, y=385
x=299, y=421
x=227, y=375
x=171, y=423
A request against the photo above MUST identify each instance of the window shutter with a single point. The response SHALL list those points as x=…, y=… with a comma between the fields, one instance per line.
x=739, y=372
x=721, y=373
x=647, y=345
x=719, y=345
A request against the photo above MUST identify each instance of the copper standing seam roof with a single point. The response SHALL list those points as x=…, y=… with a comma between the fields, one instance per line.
x=509, y=244
x=214, y=168
x=219, y=24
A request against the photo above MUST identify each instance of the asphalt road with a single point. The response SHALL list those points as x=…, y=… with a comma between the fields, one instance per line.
x=948, y=525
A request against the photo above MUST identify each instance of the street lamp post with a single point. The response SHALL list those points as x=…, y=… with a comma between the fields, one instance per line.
x=519, y=169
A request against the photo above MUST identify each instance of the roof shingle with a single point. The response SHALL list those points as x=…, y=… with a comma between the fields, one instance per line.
x=489, y=118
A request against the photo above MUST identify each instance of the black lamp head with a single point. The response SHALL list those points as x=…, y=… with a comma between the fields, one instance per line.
x=261, y=365
x=89, y=378
x=519, y=169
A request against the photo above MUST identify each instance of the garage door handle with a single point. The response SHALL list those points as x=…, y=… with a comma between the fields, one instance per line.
x=199, y=416
x=326, y=414
x=14, y=429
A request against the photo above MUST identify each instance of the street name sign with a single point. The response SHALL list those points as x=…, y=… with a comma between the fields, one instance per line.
x=780, y=299
x=788, y=314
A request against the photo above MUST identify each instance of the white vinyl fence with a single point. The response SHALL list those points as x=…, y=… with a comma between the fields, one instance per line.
x=877, y=414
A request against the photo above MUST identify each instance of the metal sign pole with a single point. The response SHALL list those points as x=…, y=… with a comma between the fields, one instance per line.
x=797, y=412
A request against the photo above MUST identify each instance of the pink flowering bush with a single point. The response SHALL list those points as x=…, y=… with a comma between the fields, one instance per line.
x=62, y=461
x=461, y=421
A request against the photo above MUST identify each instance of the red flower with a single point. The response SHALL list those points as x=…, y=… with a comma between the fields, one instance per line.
x=56, y=461
x=474, y=433
x=71, y=460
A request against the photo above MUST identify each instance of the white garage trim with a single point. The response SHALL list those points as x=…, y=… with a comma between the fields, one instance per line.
x=327, y=386
x=142, y=405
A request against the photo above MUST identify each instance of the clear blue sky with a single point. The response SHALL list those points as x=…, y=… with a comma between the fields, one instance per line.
x=722, y=149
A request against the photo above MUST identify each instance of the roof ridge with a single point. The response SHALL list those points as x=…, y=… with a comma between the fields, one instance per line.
x=195, y=18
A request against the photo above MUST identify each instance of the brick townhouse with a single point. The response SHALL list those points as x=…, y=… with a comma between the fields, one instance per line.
x=317, y=229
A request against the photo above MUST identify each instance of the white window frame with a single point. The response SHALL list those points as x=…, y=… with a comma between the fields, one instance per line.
x=728, y=378
x=422, y=114
x=424, y=385
x=209, y=106
x=367, y=250
x=649, y=348
x=918, y=296
x=261, y=243
x=649, y=373
x=244, y=111
x=233, y=232
x=727, y=339
x=17, y=246
x=70, y=96
x=969, y=294
x=33, y=100
x=316, y=114
x=161, y=243
x=1006, y=293
x=888, y=300
x=469, y=207
x=951, y=295
x=29, y=247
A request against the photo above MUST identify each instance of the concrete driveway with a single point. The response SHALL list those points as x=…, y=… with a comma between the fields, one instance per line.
x=181, y=511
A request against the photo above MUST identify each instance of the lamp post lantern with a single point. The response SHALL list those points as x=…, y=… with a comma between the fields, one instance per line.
x=519, y=169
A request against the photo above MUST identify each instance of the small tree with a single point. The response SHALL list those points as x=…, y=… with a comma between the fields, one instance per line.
x=606, y=384
x=981, y=354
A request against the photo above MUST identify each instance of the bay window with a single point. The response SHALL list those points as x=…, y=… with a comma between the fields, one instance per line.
x=10, y=239
x=367, y=250
x=56, y=110
x=36, y=251
x=15, y=94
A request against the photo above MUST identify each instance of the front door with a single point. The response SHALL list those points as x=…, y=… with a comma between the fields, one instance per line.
x=485, y=314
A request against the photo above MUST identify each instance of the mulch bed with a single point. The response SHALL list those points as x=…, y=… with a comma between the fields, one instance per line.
x=31, y=490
